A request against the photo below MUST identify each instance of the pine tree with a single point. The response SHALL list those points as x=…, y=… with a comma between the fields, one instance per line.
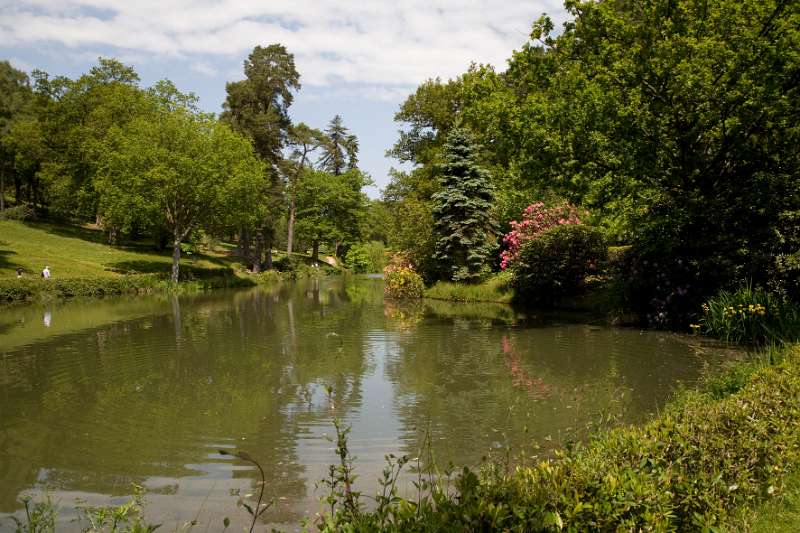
x=466, y=231
x=340, y=149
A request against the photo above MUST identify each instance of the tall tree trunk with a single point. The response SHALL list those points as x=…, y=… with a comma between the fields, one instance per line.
x=244, y=243
x=315, y=251
x=176, y=256
x=2, y=190
x=290, y=230
x=259, y=252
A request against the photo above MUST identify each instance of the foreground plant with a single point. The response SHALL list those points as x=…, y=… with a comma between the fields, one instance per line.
x=751, y=316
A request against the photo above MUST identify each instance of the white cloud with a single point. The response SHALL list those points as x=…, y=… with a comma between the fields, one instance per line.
x=203, y=68
x=382, y=44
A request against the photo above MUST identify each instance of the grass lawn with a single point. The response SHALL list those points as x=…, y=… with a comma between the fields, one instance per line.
x=72, y=251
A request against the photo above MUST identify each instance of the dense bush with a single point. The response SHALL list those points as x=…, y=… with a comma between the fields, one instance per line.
x=289, y=263
x=401, y=281
x=29, y=287
x=404, y=283
x=556, y=263
x=751, y=316
x=376, y=252
x=536, y=219
x=19, y=212
x=357, y=259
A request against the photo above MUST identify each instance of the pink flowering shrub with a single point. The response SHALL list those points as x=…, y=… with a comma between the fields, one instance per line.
x=536, y=219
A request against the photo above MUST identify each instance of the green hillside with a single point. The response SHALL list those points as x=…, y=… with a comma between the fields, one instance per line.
x=72, y=251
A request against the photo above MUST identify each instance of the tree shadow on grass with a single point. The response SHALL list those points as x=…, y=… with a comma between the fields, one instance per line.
x=70, y=230
x=5, y=255
x=93, y=235
x=187, y=272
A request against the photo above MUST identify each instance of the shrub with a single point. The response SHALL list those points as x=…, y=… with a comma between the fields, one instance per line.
x=357, y=259
x=289, y=263
x=30, y=287
x=376, y=252
x=401, y=281
x=556, y=263
x=536, y=219
x=19, y=212
x=404, y=283
x=752, y=316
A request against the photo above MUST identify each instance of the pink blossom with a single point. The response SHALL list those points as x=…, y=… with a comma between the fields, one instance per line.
x=536, y=218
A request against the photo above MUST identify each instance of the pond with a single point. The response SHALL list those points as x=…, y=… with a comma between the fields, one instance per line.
x=98, y=394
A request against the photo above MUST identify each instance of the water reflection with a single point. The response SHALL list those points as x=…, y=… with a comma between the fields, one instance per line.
x=147, y=390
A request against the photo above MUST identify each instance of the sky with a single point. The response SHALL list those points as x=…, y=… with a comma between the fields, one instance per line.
x=356, y=58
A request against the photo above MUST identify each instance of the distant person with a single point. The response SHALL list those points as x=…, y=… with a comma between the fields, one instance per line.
x=47, y=318
x=46, y=272
x=20, y=272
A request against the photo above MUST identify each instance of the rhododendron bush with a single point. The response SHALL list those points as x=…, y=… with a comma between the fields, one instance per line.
x=536, y=219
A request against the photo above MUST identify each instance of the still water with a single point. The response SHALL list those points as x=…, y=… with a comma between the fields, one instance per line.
x=98, y=394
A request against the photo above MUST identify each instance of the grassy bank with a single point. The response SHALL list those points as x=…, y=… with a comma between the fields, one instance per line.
x=83, y=265
x=495, y=289
x=73, y=251
x=780, y=514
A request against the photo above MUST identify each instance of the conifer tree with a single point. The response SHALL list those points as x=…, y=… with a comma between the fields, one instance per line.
x=339, y=149
x=466, y=232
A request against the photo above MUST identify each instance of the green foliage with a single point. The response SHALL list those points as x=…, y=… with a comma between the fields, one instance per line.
x=429, y=114
x=412, y=232
x=750, y=316
x=339, y=148
x=463, y=224
x=258, y=106
x=357, y=259
x=403, y=282
x=125, y=518
x=29, y=287
x=780, y=514
x=496, y=288
x=187, y=172
x=555, y=264
x=658, y=118
x=330, y=206
x=18, y=212
x=366, y=257
x=40, y=517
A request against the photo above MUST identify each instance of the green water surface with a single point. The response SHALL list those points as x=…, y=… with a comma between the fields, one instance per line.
x=97, y=394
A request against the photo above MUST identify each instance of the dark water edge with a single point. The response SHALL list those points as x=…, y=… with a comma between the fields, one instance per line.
x=97, y=394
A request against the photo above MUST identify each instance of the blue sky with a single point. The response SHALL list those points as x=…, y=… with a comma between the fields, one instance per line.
x=357, y=58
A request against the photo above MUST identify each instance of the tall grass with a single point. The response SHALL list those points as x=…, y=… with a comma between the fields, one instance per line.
x=496, y=289
x=750, y=316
